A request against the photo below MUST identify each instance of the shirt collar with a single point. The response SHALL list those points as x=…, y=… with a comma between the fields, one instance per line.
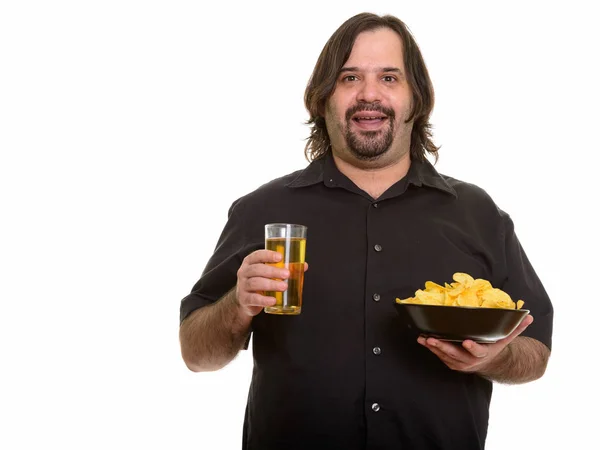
x=423, y=173
x=312, y=174
x=324, y=170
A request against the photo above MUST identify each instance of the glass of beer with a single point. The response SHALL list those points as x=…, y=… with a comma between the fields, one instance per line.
x=290, y=241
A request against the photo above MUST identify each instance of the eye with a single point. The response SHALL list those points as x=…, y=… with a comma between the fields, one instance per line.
x=349, y=78
x=389, y=78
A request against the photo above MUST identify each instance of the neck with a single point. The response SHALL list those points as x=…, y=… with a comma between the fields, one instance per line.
x=374, y=177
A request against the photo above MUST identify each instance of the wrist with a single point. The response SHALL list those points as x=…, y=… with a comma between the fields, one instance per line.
x=496, y=365
x=240, y=319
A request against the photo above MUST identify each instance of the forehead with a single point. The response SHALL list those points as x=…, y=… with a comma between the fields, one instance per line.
x=377, y=48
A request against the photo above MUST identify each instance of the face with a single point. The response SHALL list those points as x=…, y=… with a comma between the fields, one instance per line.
x=366, y=114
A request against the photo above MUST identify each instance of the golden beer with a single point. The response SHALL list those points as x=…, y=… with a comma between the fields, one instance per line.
x=293, y=251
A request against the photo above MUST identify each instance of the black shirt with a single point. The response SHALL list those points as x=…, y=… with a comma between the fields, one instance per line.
x=347, y=373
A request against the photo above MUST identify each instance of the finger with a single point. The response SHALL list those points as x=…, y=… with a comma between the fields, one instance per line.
x=256, y=299
x=450, y=351
x=305, y=266
x=263, y=256
x=450, y=362
x=528, y=320
x=263, y=271
x=258, y=284
x=475, y=349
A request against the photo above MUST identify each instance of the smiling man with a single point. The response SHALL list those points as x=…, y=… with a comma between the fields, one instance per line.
x=368, y=114
x=371, y=87
x=347, y=373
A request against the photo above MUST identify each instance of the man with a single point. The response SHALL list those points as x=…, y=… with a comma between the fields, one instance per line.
x=346, y=373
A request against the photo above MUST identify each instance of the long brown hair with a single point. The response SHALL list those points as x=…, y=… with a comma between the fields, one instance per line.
x=332, y=58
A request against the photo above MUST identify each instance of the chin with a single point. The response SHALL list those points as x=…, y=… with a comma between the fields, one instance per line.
x=368, y=155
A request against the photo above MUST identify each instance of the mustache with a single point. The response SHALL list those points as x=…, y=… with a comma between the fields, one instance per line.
x=369, y=107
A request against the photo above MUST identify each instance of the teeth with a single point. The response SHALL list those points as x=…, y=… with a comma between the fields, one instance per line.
x=369, y=118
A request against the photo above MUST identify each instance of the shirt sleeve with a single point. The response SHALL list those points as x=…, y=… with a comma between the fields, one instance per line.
x=522, y=283
x=220, y=274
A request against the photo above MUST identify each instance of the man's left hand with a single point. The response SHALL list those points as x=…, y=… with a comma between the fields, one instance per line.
x=471, y=356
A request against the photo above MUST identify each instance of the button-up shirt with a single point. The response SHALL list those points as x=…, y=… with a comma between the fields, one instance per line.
x=347, y=373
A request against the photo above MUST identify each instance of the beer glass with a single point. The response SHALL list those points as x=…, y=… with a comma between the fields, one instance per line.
x=290, y=241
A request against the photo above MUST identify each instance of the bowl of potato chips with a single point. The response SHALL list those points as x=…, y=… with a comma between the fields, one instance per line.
x=467, y=308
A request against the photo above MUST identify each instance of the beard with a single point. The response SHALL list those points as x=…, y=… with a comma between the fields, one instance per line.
x=369, y=145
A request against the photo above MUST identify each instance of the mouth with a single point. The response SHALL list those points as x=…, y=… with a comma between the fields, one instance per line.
x=369, y=120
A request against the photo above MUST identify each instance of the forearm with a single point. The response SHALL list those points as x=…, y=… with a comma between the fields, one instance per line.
x=523, y=360
x=213, y=335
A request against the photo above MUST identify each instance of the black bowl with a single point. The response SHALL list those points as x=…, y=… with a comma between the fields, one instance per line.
x=458, y=323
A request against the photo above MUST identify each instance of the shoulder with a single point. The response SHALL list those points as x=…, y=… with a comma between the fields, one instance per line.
x=271, y=191
x=474, y=198
x=466, y=191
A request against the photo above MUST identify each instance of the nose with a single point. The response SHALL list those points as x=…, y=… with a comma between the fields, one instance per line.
x=369, y=91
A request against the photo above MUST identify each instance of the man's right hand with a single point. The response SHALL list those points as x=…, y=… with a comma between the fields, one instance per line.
x=255, y=276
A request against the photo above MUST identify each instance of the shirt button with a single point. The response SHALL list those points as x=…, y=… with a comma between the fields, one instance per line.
x=377, y=350
x=378, y=248
x=375, y=407
x=375, y=205
x=376, y=297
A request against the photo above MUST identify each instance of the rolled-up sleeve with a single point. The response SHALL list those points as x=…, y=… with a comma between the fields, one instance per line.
x=522, y=283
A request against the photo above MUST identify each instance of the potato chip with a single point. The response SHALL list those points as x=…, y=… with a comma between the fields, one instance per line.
x=430, y=286
x=481, y=285
x=463, y=291
x=463, y=278
x=496, y=298
x=468, y=298
x=430, y=297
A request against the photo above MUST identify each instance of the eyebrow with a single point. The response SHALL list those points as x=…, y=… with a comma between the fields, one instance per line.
x=383, y=69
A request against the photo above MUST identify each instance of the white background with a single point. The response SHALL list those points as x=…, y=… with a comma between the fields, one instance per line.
x=127, y=128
